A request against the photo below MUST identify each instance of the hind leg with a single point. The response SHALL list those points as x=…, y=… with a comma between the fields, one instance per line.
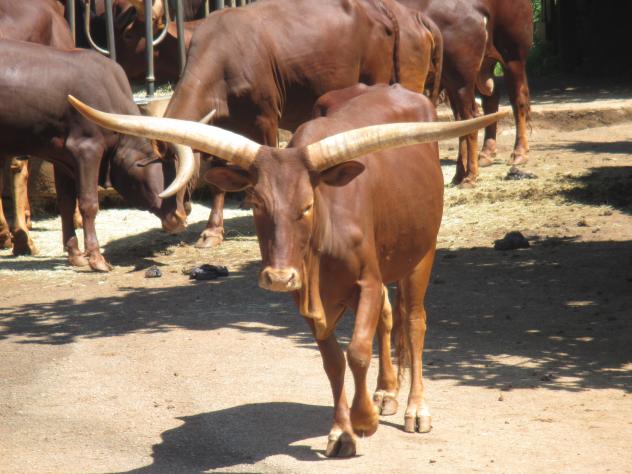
x=22, y=242
x=385, y=396
x=491, y=101
x=518, y=88
x=5, y=234
x=464, y=108
x=413, y=288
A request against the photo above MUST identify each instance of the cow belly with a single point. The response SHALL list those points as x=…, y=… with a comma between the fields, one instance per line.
x=408, y=207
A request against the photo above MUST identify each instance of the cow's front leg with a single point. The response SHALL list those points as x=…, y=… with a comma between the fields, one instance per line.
x=22, y=242
x=88, y=155
x=66, y=201
x=213, y=235
x=385, y=396
x=341, y=441
x=364, y=415
x=89, y=207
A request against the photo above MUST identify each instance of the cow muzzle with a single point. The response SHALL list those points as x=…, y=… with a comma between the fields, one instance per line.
x=280, y=279
x=174, y=223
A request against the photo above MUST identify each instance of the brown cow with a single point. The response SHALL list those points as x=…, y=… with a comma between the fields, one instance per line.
x=477, y=34
x=36, y=21
x=130, y=47
x=339, y=215
x=129, y=35
x=267, y=66
x=36, y=120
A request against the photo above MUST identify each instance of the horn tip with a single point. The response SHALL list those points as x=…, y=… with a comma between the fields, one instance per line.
x=77, y=104
x=166, y=194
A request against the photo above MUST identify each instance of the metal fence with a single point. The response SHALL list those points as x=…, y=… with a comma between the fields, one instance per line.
x=151, y=41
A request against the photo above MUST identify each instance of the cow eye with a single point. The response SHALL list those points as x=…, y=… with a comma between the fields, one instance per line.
x=307, y=210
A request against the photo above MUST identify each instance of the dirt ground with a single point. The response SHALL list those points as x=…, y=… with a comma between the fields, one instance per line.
x=528, y=360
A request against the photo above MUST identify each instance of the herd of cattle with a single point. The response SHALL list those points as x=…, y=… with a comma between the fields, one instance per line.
x=355, y=200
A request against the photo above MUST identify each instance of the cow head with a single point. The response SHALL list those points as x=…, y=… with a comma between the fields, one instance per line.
x=130, y=34
x=140, y=173
x=282, y=183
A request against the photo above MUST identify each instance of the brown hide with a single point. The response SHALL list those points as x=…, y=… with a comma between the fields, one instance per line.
x=267, y=65
x=353, y=203
x=38, y=121
x=336, y=237
x=130, y=50
x=476, y=35
x=35, y=21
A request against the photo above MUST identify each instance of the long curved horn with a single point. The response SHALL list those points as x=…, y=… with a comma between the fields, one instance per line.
x=234, y=148
x=346, y=146
x=186, y=170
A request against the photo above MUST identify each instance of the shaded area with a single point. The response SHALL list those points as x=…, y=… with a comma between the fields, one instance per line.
x=10, y=262
x=137, y=249
x=191, y=305
x=554, y=316
x=620, y=147
x=245, y=434
x=604, y=186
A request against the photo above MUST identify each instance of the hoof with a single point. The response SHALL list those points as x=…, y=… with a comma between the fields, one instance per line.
x=340, y=445
x=210, y=238
x=419, y=424
x=5, y=241
x=98, y=264
x=466, y=184
x=78, y=260
x=418, y=421
x=518, y=159
x=23, y=245
x=486, y=159
x=385, y=402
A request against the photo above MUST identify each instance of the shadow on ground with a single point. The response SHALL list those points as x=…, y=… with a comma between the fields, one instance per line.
x=205, y=441
x=574, y=89
x=610, y=186
x=555, y=316
x=138, y=249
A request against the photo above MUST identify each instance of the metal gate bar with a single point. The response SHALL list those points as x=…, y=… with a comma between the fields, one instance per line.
x=150, y=42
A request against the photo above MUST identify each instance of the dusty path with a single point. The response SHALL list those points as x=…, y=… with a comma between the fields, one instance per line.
x=528, y=361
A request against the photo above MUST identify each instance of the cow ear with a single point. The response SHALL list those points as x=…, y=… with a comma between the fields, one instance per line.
x=341, y=174
x=228, y=179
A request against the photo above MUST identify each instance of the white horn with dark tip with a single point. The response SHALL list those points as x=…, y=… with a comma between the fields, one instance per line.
x=346, y=146
x=226, y=145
